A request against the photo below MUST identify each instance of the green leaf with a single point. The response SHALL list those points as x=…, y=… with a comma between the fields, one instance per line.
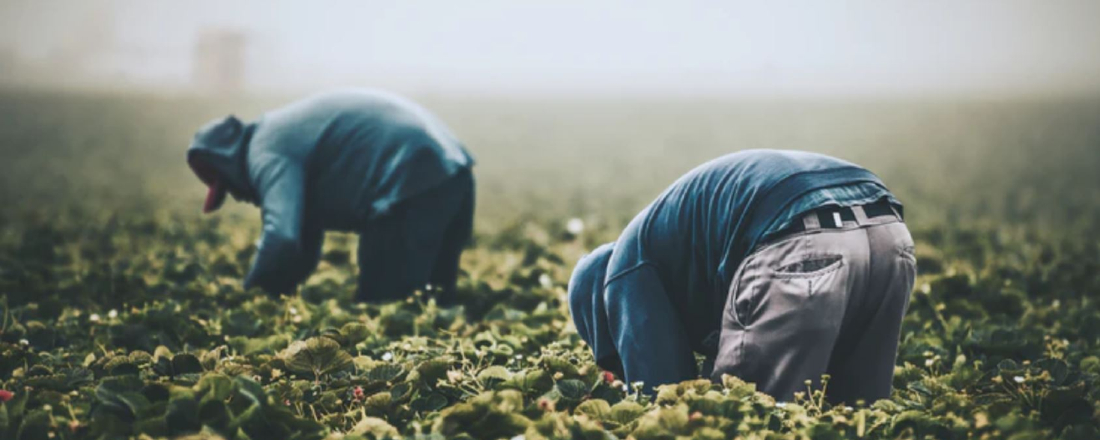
x=251, y=390
x=491, y=376
x=385, y=373
x=353, y=333
x=35, y=426
x=125, y=368
x=594, y=409
x=182, y=416
x=625, y=412
x=318, y=356
x=378, y=403
x=155, y=426
x=67, y=380
x=215, y=414
x=5, y=419
x=255, y=423
x=374, y=428
x=433, y=370
x=119, y=396
x=572, y=389
x=211, y=357
x=429, y=403
x=162, y=365
x=401, y=391
x=185, y=363
x=531, y=382
x=215, y=386
x=162, y=352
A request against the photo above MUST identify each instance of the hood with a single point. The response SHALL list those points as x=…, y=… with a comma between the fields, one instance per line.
x=218, y=156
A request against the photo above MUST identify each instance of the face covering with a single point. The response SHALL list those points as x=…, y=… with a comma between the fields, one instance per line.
x=215, y=195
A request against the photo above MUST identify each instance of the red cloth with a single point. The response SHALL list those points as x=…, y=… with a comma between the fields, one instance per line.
x=215, y=195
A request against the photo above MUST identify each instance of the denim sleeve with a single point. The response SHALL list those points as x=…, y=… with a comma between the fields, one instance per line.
x=651, y=341
x=313, y=237
x=282, y=254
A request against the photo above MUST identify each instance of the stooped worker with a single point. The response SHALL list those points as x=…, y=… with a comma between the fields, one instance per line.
x=777, y=266
x=359, y=161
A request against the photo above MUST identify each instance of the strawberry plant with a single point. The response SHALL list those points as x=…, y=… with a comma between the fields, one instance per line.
x=122, y=314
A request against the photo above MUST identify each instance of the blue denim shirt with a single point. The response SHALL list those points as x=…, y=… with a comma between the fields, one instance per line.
x=648, y=301
x=854, y=194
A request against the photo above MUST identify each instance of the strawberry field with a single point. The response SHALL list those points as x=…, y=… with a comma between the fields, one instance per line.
x=123, y=314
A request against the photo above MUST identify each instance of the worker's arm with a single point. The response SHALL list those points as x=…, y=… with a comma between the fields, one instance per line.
x=283, y=253
x=652, y=342
x=313, y=237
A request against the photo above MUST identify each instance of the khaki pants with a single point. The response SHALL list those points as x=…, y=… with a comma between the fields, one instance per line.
x=823, y=301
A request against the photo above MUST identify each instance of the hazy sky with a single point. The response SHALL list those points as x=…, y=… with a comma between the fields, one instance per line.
x=611, y=46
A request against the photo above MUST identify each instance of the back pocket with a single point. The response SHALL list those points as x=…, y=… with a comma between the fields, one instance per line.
x=811, y=266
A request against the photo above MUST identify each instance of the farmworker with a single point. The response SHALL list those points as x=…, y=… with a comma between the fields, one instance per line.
x=777, y=266
x=360, y=161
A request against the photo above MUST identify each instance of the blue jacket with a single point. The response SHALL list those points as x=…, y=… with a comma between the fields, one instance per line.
x=661, y=286
x=332, y=161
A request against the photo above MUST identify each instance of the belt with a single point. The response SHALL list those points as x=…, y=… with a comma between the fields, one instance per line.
x=833, y=217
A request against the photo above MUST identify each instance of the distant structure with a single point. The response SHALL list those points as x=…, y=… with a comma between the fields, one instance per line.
x=219, y=61
x=9, y=65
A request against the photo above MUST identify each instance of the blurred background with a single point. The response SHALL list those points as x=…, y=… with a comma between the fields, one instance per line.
x=971, y=111
x=975, y=48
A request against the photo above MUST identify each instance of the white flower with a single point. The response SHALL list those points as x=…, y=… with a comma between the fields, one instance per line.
x=574, y=226
x=929, y=362
x=545, y=281
x=94, y=317
x=293, y=310
x=780, y=404
x=112, y=314
x=1018, y=379
x=388, y=356
x=24, y=342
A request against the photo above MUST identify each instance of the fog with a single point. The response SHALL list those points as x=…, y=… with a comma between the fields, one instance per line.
x=551, y=47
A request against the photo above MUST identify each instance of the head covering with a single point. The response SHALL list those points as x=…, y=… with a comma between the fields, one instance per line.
x=217, y=156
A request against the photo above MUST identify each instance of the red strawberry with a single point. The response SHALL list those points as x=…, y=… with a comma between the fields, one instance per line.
x=608, y=377
x=6, y=395
x=546, y=405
